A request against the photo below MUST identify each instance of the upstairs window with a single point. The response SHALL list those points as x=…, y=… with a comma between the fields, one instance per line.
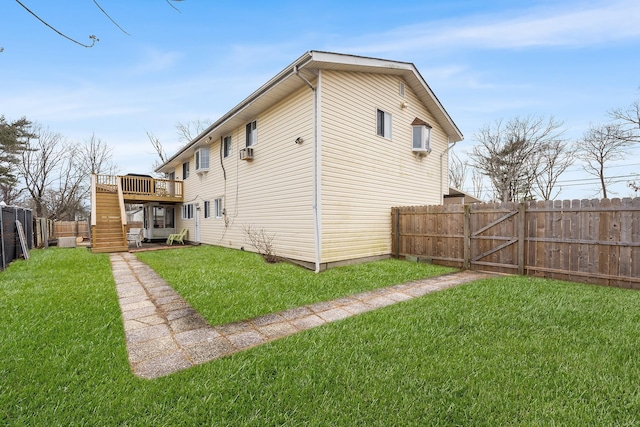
x=252, y=133
x=383, y=124
x=185, y=170
x=421, y=136
x=226, y=146
x=202, y=159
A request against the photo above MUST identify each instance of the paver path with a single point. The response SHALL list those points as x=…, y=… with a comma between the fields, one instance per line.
x=165, y=335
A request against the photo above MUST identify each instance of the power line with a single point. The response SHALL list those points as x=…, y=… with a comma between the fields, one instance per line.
x=93, y=38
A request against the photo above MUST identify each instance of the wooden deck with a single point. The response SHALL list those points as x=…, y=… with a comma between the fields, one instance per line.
x=109, y=193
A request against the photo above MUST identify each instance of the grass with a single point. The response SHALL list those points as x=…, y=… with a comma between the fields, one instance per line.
x=227, y=285
x=503, y=351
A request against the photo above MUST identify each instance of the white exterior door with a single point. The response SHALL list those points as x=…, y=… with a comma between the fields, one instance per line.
x=196, y=238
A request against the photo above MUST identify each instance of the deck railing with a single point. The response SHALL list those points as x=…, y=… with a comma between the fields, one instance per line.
x=141, y=187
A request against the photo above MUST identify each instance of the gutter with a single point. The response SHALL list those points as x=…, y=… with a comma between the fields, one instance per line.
x=317, y=194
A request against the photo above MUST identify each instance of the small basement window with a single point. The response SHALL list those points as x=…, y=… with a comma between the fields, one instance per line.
x=421, y=136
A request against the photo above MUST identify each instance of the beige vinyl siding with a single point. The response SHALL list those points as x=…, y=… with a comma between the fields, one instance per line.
x=363, y=174
x=273, y=191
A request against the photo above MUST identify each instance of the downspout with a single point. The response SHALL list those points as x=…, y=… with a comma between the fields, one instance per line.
x=316, y=170
x=441, y=169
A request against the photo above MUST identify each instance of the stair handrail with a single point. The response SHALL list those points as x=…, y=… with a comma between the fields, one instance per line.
x=123, y=213
x=94, y=220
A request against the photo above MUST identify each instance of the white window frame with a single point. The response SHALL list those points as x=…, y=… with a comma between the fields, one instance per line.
x=185, y=170
x=187, y=211
x=218, y=208
x=251, y=133
x=202, y=159
x=383, y=123
x=207, y=209
x=421, y=138
x=227, y=144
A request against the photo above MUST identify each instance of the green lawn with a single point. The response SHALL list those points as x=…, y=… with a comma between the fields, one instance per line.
x=227, y=285
x=503, y=351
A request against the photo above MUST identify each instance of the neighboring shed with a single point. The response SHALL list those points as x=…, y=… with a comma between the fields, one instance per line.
x=456, y=196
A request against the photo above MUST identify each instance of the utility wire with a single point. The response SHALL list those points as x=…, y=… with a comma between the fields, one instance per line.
x=110, y=18
x=93, y=38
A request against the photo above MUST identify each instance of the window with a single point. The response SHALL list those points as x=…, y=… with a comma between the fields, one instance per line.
x=162, y=217
x=185, y=170
x=207, y=209
x=187, y=211
x=421, y=136
x=202, y=159
x=217, y=207
x=383, y=124
x=252, y=133
x=226, y=146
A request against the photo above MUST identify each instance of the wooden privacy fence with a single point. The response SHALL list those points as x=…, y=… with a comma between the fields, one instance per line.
x=592, y=241
x=71, y=229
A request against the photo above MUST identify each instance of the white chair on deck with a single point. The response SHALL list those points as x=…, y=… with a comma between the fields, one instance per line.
x=135, y=235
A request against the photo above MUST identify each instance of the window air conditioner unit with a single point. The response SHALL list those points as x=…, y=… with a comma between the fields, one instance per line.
x=246, y=153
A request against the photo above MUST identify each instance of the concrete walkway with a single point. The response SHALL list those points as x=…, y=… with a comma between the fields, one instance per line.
x=165, y=335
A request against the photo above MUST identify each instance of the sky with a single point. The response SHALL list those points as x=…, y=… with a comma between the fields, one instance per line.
x=163, y=62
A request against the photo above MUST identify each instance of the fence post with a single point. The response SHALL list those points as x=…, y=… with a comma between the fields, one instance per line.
x=4, y=253
x=466, y=240
x=521, y=236
x=396, y=232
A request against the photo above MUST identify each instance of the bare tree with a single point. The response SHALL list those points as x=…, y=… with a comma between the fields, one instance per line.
x=10, y=194
x=96, y=157
x=509, y=154
x=630, y=118
x=67, y=197
x=189, y=130
x=477, y=182
x=457, y=171
x=601, y=145
x=39, y=164
x=57, y=172
x=556, y=157
x=186, y=133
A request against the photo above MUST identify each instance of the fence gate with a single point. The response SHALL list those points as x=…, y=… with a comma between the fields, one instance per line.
x=495, y=238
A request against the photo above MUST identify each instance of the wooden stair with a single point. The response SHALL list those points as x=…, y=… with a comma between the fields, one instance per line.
x=108, y=234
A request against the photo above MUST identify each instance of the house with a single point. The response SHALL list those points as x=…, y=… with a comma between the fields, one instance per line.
x=316, y=158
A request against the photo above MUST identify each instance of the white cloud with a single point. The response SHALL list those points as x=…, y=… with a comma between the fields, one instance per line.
x=571, y=25
x=155, y=60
